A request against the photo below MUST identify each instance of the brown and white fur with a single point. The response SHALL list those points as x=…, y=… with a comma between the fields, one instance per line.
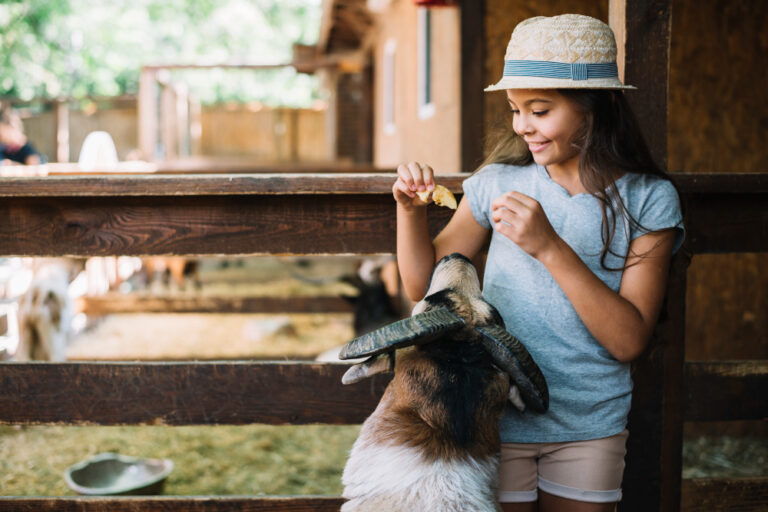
x=432, y=444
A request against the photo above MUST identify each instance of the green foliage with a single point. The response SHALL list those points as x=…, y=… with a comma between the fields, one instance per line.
x=79, y=48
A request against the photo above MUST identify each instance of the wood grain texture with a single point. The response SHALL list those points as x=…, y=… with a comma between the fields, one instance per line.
x=234, y=393
x=654, y=448
x=118, y=303
x=174, y=504
x=298, y=214
x=734, y=390
x=725, y=494
x=270, y=224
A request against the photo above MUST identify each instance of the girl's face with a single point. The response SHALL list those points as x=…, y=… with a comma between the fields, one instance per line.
x=548, y=123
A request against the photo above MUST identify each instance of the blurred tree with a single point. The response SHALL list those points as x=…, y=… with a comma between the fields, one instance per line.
x=79, y=48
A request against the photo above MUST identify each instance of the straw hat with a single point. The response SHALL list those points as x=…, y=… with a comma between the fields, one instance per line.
x=570, y=51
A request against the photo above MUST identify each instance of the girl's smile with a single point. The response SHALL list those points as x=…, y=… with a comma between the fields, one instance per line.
x=548, y=123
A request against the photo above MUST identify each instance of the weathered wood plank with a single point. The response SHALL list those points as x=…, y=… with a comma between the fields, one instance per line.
x=642, y=30
x=732, y=390
x=472, y=83
x=300, y=214
x=725, y=495
x=654, y=448
x=270, y=224
x=173, y=504
x=233, y=393
x=121, y=304
x=705, y=185
x=201, y=185
x=721, y=222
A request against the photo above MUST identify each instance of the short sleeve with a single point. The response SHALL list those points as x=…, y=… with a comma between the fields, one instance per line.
x=661, y=210
x=476, y=194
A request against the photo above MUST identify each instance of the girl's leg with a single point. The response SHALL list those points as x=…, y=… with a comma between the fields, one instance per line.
x=520, y=507
x=518, y=477
x=551, y=503
x=582, y=476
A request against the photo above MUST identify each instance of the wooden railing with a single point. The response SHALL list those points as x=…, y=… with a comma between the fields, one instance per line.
x=315, y=214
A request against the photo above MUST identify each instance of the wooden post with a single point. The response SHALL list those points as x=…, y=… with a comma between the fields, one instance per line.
x=472, y=83
x=654, y=450
x=642, y=29
x=62, y=130
x=195, y=126
x=148, y=113
x=168, y=132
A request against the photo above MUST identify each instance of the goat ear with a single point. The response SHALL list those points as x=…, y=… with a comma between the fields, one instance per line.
x=511, y=356
x=368, y=368
x=416, y=330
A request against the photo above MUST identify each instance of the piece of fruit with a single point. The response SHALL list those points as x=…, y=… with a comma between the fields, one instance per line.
x=440, y=195
x=443, y=197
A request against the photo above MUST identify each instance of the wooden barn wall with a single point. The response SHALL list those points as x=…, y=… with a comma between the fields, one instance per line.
x=120, y=123
x=278, y=134
x=354, y=121
x=718, y=122
x=40, y=129
x=435, y=140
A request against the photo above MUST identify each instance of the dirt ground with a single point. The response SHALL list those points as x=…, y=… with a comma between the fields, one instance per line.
x=161, y=336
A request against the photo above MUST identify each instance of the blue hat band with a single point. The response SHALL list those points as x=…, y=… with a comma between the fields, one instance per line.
x=562, y=70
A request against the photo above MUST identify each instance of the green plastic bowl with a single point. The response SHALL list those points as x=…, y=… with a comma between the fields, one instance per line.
x=114, y=474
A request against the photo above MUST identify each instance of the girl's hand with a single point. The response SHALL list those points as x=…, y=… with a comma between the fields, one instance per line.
x=411, y=178
x=522, y=219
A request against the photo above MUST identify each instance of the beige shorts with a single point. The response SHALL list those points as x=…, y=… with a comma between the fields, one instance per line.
x=578, y=470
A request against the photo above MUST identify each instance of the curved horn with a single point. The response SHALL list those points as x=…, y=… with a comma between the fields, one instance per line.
x=416, y=330
x=512, y=357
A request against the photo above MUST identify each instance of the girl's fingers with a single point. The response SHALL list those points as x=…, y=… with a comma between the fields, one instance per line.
x=429, y=177
x=404, y=175
x=418, y=178
x=401, y=187
x=514, y=201
x=503, y=215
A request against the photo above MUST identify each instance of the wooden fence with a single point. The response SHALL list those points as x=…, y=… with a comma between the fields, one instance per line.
x=338, y=214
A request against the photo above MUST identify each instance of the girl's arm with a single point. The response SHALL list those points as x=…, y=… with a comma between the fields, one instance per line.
x=416, y=253
x=622, y=322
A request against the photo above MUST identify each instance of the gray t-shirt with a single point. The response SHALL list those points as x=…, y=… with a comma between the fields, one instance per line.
x=590, y=391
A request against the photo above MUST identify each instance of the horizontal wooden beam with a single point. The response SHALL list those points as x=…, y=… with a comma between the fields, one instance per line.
x=201, y=185
x=724, y=494
x=698, y=495
x=189, y=393
x=115, y=303
x=296, y=214
x=173, y=504
x=725, y=391
x=196, y=165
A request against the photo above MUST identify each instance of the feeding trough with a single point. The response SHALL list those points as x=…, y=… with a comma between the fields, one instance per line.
x=112, y=473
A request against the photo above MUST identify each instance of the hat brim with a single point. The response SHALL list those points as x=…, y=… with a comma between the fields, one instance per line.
x=532, y=82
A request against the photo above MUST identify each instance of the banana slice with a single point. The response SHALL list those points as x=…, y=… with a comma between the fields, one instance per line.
x=441, y=196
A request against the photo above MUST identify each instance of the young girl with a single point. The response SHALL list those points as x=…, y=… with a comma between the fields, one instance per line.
x=582, y=228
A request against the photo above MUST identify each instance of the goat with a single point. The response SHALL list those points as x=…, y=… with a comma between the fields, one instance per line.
x=433, y=441
x=374, y=304
x=45, y=314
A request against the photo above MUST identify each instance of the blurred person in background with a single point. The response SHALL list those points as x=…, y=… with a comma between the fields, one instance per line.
x=14, y=146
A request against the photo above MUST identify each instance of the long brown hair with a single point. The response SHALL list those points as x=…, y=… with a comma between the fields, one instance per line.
x=610, y=144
